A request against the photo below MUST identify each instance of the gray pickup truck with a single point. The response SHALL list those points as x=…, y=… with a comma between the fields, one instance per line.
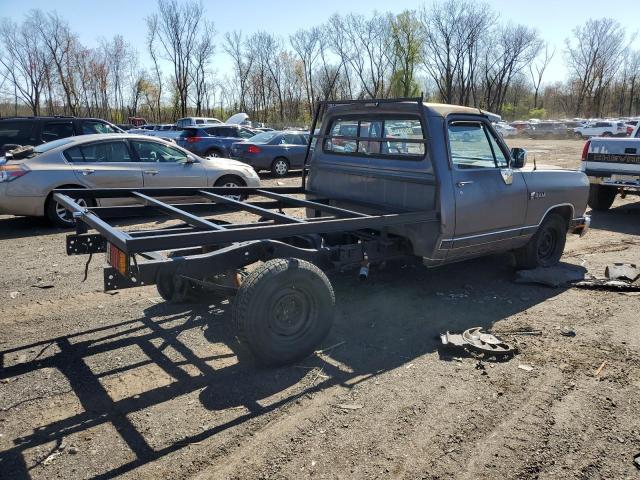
x=613, y=167
x=450, y=160
x=385, y=179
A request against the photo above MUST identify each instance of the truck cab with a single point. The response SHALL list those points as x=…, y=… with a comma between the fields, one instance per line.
x=412, y=155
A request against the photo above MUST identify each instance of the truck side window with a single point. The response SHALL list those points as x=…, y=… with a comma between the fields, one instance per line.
x=472, y=145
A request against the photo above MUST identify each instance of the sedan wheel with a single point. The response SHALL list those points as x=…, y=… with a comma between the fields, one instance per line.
x=60, y=216
x=231, y=183
x=280, y=167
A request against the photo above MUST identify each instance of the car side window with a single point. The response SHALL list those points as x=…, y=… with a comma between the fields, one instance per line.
x=54, y=131
x=102, y=152
x=89, y=127
x=246, y=133
x=472, y=146
x=156, y=152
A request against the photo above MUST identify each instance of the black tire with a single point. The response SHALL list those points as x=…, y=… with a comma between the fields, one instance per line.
x=214, y=152
x=578, y=136
x=174, y=289
x=545, y=248
x=600, y=197
x=607, y=134
x=283, y=310
x=231, y=181
x=55, y=215
x=280, y=167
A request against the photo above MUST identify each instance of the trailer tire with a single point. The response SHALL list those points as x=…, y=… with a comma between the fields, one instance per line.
x=283, y=310
x=545, y=248
x=600, y=197
x=173, y=289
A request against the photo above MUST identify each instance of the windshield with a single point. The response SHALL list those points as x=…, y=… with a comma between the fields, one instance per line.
x=264, y=137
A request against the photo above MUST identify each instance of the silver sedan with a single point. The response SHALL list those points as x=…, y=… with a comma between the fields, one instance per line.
x=106, y=161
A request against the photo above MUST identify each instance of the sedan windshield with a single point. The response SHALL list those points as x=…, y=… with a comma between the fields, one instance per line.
x=264, y=137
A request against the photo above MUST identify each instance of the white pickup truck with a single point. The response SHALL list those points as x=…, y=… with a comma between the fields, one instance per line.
x=613, y=166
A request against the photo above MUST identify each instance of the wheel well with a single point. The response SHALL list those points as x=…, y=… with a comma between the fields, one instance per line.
x=280, y=157
x=236, y=178
x=565, y=211
x=214, y=149
x=50, y=196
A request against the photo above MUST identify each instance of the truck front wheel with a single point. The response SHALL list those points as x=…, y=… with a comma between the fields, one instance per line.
x=545, y=248
x=601, y=197
x=283, y=310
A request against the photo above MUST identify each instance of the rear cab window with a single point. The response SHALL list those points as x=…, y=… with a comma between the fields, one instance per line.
x=393, y=137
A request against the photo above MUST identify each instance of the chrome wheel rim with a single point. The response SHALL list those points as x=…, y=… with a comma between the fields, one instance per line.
x=64, y=215
x=231, y=185
x=281, y=167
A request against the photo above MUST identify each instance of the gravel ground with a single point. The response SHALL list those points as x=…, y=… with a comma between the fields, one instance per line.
x=95, y=385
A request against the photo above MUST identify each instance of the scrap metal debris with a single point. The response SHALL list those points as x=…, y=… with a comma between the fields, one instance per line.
x=622, y=271
x=559, y=276
x=619, y=277
x=636, y=461
x=567, y=331
x=475, y=340
x=526, y=368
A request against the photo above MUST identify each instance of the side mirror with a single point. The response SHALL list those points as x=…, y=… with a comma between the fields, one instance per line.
x=518, y=157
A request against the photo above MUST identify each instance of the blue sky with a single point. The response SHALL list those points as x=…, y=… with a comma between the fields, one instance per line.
x=92, y=20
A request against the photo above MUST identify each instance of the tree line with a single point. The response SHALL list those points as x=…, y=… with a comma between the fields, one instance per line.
x=453, y=51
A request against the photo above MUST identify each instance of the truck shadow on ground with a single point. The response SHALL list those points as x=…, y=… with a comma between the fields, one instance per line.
x=622, y=219
x=381, y=324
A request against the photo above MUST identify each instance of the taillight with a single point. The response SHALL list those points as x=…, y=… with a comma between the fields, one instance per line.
x=585, y=150
x=8, y=173
x=253, y=149
x=193, y=139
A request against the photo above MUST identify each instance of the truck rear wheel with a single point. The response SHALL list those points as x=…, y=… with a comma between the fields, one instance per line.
x=601, y=197
x=283, y=310
x=545, y=248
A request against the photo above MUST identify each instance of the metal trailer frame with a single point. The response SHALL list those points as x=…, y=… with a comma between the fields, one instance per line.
x=202, y=247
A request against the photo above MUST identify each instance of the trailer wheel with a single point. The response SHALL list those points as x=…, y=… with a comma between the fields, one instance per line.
x=545, y=248
x=174, y=289
x=283, y=310
x=600, y=197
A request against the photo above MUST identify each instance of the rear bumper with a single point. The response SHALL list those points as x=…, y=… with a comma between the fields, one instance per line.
x=22, y=206
x=580, y=226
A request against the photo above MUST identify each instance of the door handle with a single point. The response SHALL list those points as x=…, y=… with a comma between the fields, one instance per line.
x=462, y=184
x=87, y=171
x=151, y=172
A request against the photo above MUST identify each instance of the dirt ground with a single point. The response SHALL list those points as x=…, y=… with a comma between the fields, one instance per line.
x=95, y=385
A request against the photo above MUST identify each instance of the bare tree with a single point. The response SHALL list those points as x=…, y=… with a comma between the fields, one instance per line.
x=178, y=28
x=593, y=60
x=537, y=69
x=306, y=43
x=243, y=59
x=25, y=60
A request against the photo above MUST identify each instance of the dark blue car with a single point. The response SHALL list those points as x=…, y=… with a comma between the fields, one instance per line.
x=213, y=141
x=274, y=151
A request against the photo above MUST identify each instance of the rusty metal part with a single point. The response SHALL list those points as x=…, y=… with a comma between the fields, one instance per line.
x=475, y=339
